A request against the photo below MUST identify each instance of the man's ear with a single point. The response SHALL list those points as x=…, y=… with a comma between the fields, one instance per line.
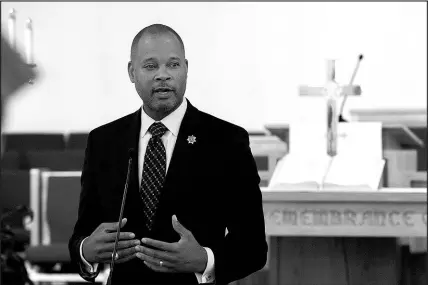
x=131, y=72
x=187, y=66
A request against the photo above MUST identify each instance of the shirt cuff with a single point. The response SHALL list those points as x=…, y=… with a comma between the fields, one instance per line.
x=209, y=274
x=88, y=267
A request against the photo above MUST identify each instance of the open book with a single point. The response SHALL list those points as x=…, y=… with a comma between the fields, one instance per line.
x=357, y=166
x=299, y=173
x=352, y=173
x=326, y=173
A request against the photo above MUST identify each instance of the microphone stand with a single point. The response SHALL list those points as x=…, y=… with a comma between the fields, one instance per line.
x=341, y=119
x=120, y=219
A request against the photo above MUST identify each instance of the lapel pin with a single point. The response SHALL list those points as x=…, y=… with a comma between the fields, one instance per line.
x=191, y=139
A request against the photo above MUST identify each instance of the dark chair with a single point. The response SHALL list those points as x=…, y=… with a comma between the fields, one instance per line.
x=60, y=193
x=69, y=160
x=62, y=202
x=77, y=141
x=25, y=142
x=10, y=160
x=15, y=190
x=20, y=187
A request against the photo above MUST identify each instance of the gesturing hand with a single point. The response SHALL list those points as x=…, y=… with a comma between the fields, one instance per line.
x=98, y=247
x=186, y=255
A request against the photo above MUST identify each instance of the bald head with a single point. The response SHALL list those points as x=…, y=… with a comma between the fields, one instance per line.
x=158, y=69
x=154, y=31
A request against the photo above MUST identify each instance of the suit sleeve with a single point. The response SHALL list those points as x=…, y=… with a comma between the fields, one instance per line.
x=244, y=249
x=88, y=214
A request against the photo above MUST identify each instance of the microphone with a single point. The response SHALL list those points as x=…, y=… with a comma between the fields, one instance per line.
x=131, y=154
x=341, y=119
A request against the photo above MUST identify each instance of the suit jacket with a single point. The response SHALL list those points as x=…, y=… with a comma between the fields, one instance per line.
x=211, y=185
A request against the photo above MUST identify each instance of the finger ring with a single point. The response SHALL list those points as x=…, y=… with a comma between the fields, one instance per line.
x=160, y=263
x=116, y=256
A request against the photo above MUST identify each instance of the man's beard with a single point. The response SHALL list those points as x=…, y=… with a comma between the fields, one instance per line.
x=167, y=108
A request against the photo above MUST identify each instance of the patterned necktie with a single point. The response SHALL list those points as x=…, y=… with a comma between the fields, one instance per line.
x=154, y=172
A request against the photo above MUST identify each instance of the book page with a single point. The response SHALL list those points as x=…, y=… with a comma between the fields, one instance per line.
x=347, y=172
x=359, y=162
x=305, y=165
x=299, y=173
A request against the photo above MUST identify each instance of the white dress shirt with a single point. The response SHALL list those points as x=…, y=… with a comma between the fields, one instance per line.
x=172, y=122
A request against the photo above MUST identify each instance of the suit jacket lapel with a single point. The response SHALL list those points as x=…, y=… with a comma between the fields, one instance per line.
x=182, y=158
x=128, y=139
x=184, y=152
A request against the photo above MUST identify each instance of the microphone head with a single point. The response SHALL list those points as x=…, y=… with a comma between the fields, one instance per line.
x=360, y=57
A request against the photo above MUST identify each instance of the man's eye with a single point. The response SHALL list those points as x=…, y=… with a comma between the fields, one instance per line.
x=174, y=64
x=149, y=66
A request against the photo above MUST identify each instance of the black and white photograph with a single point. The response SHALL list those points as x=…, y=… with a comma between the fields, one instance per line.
x=227, y=143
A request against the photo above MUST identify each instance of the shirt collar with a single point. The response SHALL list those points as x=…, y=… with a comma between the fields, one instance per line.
x=172, y=121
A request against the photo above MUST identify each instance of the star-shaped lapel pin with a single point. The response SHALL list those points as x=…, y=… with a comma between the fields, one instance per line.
x=191, y=139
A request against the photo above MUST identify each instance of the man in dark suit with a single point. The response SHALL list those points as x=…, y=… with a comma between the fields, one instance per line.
x=193, y=177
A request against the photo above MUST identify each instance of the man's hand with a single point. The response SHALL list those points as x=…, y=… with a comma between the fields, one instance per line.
x=98, y=247
x=186, y=255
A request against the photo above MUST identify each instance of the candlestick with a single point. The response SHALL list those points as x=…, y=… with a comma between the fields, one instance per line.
x=11, y=25
x=29, y=47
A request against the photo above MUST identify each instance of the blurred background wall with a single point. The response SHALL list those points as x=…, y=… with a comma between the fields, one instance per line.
x=246, y=60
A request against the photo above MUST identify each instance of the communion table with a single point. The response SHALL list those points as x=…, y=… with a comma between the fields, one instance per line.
x=340, y=237
x=353, y=237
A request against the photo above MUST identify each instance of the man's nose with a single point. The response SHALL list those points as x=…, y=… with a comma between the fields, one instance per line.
x=162, y=74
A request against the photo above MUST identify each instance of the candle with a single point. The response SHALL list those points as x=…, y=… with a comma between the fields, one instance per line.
x=12, y=28
x=29, y=48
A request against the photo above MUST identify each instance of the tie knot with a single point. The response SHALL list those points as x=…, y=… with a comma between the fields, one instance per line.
x=157, y=130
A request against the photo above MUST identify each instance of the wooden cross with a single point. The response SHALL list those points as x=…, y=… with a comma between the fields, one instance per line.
x=349, y=90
